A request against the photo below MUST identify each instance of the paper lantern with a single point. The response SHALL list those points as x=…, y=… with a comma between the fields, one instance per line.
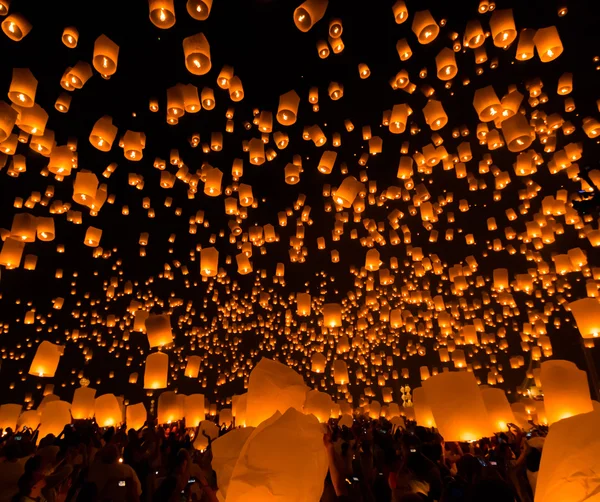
x=199, y=9
x=8, y=118
x=502, y=25
x=346, y=194
x=435, y=116
x=46, y=359
x=32, y=120
x=570, y=460
x=288, y=108
x=486, y=103
x=257, y=152
x=83, y=406
x=85, y=188
x=404, y=51
x=197, y=54
x=586, y=313
x=12, y=252
x=273, y=387
x=445, y=63
x=158, y=329
x=517, y=132
x=106, y=56
x=327, y=162
x=206, y=428
x=170, y=407
x=425, y=27
x=193, y=366
x=225, y=452
x=340, y=372
x=318, y=362
x=400, y=11
x=309, y=13
x=303, y=304
x=55, y=415
x=457, y=406
x=76, y=77
x=16, y=27
x=136, y=416
x=23, y=227
x=133, y=145
x=266, y=472
x=498, y=408
x=566, y=390
x=162, y=13
x=92, y=237
x=423, y=413
x=548, y=44
x=9, y=416
x=332, y=315
x=318, y=404
x=156, y=371
x=70, y=37
x=22, y=87
x=108, y=411
x=193, y=409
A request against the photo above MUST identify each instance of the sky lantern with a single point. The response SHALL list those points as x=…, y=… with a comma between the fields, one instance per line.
x=16, y=27
x=158, y=330
x=193, y=408
x=107, y=410
x=318, y=404
x=46, y=359
x=425, y=27
x=193, y=366
x=288, y=108
x=103, y=134
x=83, y=405
x=136, y=416
x=309, y=13
x=435, y=116
x=9, y=416
x=199, y=9
x=162, y=13
x=498, y=408
x=170, y=407
x=423, y=413
x=55, y=415
x=457, y=406
x=332, y=315
x=209, y=262
x=22, y=87
x=587, y=316
x=548, y=44
x=502, y=25
x=156, y=371
x=445, y=63
x=106, y=55
x=400, y=11
x=70, y=37
x=197, y=54
x=566, y=390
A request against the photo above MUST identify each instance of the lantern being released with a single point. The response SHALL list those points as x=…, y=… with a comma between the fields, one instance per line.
x=46, y=359
x=156, y=371
x=587, y=316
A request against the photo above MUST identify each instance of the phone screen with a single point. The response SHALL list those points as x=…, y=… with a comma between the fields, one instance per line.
x=122, y=483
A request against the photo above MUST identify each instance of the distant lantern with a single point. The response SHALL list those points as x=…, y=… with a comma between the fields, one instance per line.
x=303, y=304
x=486, y=103
x=193, y=366
x=103, y=134
x=288, y=108
x=548, y=44
x=292, y=174
x=45, y=361
x=106, y=55
x=199, y=9
x=502, y=25
x=458, y=408
x=340, y=372
x=446, y=64
x=566, y=390
x=425, y=27
x=236, y=90
x=92, y=237
x=63, y=103
x=162, y=13
x=70, y=37
x=197, y=54
x=209, y=262
x=400, y=11
x=435, y=116
x=16, y=27
x=309, y=13
x=22, y=87
x=318, y=362
x=156, y=371
x=587, y=316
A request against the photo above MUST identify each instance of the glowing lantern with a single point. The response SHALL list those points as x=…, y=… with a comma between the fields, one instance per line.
x=92, y=237
x=156, y=371
x=346, y=194
x=273, y=387
x=435, y=116
x=340, y=372
x=12, y=252
x=9, y=416
x=16, y=27
x=288, y=108
x=103, y=134
x=108, y=411
x=162, y=13
x=23, y=227
x=8, y=117
x=133, y=145
x=158, y=329
x=502, y=25
x=225, y=452
x=83, y=405
x=55, y=415
x=197, y=54
x=566, y=390
x=136, y=416
x=32, y=120
x=106, y=55
x=257, y=152
x=199, y=9
x=212, y=184
x=193, y=409
x=170, y=407
x=587, y=316
x=423, y=413
x=400, y=11
x=570, y=460
x=70, y=37
x=318, y=362
x=309, y=13
x=318, y=404
x=425, y=27
x=46, y=359
x=22, y=87
x=209, y=262
x=193, y=366
x=498, y=408
x=332, y=315
x=292, y=174
x=486, y=103
x=403, y=49
x=517, y=132
x=548, y=44
x=445, y=63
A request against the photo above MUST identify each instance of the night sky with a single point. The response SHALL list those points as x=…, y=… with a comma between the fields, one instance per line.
x=271, y=56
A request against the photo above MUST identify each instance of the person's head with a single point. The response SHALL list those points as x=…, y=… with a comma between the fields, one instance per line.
x=492, y=490
x=469, y=468
x=109, y=454
x=12, y=451
x=31, y=484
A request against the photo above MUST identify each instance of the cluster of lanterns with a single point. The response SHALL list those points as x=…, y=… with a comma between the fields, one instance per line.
x=404, y=303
